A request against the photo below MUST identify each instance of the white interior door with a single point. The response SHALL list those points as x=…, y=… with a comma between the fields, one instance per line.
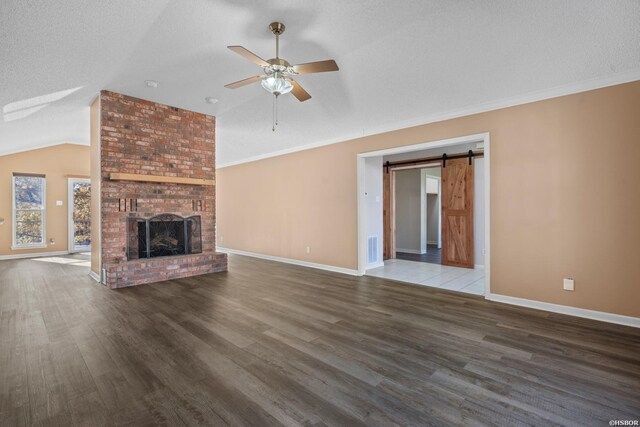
x=79, y=206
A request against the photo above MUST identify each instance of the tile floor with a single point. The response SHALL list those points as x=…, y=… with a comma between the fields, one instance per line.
x=434, y=275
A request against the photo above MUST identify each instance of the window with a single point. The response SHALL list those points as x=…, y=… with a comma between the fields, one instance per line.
x=28, y=211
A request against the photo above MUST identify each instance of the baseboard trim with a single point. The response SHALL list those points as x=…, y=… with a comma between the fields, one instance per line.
x=95, y=276
x=32, y=255
x=435, y=242
x=374, y=265
x=290, y=261
x=411, y=251
x=565, y=309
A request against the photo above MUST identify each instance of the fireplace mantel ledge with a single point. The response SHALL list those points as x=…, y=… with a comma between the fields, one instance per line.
x=117, y=176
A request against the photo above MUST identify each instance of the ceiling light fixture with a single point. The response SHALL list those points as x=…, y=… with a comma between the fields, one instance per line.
x=278, y=73
x=151, y=83
x=277, y=85
x=211, y=100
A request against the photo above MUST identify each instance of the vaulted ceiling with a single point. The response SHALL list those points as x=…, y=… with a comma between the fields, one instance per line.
x=401, y=62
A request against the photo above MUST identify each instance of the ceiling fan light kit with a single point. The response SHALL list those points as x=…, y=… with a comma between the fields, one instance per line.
x=277, y=85
x=277, y=77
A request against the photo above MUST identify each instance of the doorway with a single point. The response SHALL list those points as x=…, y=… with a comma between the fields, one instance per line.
x=417, y=214
x=465, y=266
x=79, y=211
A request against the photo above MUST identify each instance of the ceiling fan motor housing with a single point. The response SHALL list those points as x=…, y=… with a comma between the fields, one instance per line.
x=278, y=65
x=277, y=28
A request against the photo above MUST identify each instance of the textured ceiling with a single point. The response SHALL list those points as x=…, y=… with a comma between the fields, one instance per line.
x=399, y=61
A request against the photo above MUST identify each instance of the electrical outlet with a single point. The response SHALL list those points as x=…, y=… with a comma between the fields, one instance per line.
x=308, y=250
x=568, y=284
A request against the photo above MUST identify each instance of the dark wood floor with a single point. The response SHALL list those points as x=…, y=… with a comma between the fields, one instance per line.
x=273, y=344
x=433, y=255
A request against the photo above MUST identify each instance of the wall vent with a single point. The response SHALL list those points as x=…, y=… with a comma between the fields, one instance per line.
x=372, y=249
x=199, y=205
x=127, y=205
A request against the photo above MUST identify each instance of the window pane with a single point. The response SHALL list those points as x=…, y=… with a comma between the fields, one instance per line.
x=28, y=227
x=82, y=233
x=82, y=214
x=81, y=201
x=28, y=190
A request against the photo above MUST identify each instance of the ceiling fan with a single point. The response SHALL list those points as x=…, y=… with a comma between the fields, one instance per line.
x=278, y=73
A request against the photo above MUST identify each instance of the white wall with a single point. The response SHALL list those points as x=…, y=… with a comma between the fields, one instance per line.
x=373, y=202
x=434, y=171
x=410, y=211
x=478, y=211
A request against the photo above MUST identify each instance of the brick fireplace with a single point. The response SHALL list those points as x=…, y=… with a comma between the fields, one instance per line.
x=142, y=146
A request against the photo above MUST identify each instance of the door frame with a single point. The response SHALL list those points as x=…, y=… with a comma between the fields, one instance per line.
x=389, y=202
x=70, y=225
x=360, y=195
x=439, y=179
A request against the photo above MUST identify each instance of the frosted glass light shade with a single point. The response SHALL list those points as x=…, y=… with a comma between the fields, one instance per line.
x=277, y=85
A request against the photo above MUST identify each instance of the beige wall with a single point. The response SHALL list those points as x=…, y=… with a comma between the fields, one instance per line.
x=56, y=163
x=548, y=206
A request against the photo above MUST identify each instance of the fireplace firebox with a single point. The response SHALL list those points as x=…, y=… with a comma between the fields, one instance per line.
x=163, y=235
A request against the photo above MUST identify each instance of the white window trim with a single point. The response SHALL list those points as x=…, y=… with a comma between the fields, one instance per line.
x=14, y=245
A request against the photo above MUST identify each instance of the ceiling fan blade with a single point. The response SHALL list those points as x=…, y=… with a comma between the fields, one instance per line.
x=316, y=67
x=244, y=82
x=298, y=92
x=249, y=55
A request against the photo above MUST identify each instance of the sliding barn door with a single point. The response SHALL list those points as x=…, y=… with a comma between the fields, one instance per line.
x=457, y=213
x=388, y=214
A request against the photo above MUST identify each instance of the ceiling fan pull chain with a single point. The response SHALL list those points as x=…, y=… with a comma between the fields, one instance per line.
x=273, y=114
x=276, y=110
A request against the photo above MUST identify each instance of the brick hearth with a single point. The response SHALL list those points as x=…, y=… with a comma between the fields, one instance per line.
x=143, y=137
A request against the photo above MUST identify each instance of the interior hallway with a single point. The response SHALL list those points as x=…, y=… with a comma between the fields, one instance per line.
x=433, y=255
